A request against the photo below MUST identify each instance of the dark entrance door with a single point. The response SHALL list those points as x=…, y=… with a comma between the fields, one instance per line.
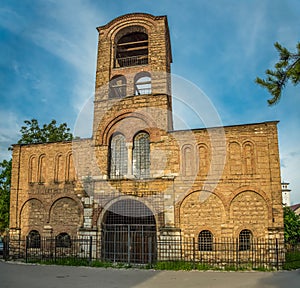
x=129, y=233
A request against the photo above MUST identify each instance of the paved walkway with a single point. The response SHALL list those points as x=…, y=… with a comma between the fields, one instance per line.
x=14, y=275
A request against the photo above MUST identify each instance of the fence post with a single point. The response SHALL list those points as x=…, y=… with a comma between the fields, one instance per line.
x=237, y=253
x=194, y=253
x=6, y=248
x=55, y=252
x=26, y=247
x=128, y=244
x=277, y=254
x=150, y=251
x=91, y=250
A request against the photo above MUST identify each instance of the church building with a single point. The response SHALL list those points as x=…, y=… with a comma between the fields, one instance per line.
x=137, y=179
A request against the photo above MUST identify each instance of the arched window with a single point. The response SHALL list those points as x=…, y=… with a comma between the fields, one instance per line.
x=63, y=240
x=132, y=49
x=118, y=156
x=205, y=241
x=141, y=155
x=117, y=87
x=142, y=83
x=34, y=239
x=245, y=239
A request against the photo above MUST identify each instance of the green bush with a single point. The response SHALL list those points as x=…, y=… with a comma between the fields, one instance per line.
x=292, y=260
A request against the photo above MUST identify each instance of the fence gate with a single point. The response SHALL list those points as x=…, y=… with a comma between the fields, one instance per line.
x=129, y=233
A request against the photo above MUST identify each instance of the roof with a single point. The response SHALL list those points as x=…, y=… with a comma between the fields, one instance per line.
x=295, y=207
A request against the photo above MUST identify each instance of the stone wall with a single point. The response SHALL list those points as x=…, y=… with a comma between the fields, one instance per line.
x=44, y=191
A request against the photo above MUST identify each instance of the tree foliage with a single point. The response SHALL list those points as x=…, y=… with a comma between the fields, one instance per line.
x=286, y=69
x=5, y=178
x=31, y=132
x=291, y=226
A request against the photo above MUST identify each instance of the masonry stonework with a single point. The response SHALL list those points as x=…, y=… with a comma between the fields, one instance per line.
x=188, y=183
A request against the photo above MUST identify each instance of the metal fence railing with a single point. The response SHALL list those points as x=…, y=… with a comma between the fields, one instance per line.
x=131, y=61
x=132, y=248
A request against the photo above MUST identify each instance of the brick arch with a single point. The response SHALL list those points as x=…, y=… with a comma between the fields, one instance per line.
x=133, y=19
x=129, y=28
x=115, y=200
x=208, y=227
x=238, y=229
x=32, y=215
x=200, y=209
x=248, y=141
x=249, y=210
x=106, y=128
x=252, y=189
x=65, y=213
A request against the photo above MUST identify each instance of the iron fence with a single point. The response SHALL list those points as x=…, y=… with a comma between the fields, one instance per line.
x=129, y=247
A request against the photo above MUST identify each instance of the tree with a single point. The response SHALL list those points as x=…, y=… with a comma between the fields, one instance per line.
x=291, y=226
x=33, y=133
x=286, y=69
x=30, y=133
x=5, y=177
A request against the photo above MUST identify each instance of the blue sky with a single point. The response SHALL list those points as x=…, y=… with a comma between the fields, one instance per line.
x=48, y=61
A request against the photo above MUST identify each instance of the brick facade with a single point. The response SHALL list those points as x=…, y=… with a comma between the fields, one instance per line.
x=223, y=179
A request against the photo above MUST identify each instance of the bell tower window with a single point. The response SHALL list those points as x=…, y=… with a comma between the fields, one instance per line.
x=132, y=50
x=117, y=87
x=142, y=83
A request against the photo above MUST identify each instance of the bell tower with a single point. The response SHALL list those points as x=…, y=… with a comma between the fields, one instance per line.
x=133, y=72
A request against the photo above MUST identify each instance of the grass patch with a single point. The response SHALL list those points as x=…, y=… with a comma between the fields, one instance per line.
x=61, y=261
x=79, y=262
x=181, y=265
x=292, y=263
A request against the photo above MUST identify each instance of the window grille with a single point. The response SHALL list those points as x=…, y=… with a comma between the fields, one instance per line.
x=34, y=239
x=245, y=239
x=141, y=155
x=205, y=241
x=63, y=240
x=118, y=157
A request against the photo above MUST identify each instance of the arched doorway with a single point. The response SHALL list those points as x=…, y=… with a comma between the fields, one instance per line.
x=129, y=233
